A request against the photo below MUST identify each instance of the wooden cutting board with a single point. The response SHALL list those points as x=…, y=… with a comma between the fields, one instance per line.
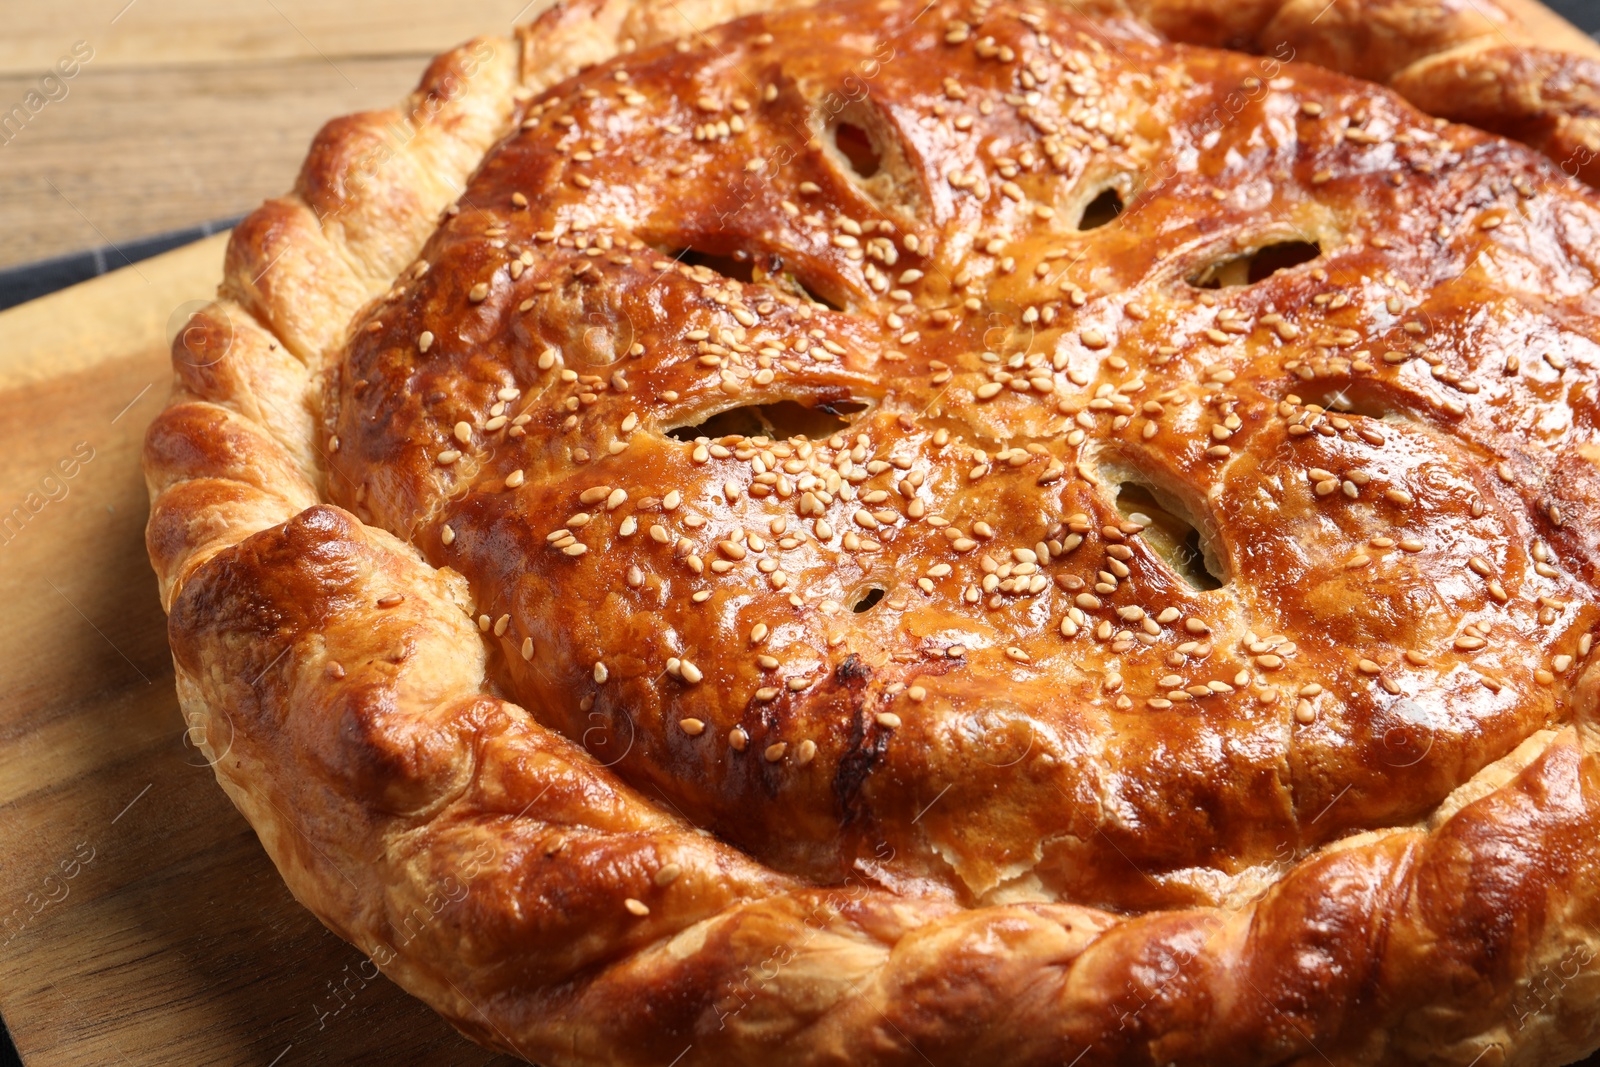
x=140, y=921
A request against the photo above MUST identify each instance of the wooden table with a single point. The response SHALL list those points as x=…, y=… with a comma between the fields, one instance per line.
x=140, y=922
x=191, y=110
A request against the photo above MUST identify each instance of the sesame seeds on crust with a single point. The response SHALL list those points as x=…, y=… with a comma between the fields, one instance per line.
x=884, y=401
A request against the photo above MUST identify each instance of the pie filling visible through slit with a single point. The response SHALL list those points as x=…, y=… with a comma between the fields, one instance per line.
x=984, y=473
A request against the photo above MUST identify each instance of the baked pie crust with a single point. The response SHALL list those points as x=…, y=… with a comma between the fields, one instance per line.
x=705, y=537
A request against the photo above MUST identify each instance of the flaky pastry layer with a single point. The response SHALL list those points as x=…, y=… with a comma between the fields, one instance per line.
x=901, y=723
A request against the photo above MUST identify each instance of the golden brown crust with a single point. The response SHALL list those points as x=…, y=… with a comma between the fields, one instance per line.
x=1549, y=100
x=505, y=856
x=1510, y=66
x=1043, y=802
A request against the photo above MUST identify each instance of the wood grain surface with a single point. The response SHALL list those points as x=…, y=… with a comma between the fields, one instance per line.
x=191, y=110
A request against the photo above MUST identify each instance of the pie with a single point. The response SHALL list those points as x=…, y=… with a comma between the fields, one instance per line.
x=978, y=532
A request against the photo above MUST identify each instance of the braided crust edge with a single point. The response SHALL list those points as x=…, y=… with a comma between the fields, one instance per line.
x=1510, y=66
x=494, y=869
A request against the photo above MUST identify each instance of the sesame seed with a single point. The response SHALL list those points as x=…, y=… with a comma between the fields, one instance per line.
x=637, y=907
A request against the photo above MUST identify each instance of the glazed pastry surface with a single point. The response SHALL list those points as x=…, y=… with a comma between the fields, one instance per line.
x=880, y=533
